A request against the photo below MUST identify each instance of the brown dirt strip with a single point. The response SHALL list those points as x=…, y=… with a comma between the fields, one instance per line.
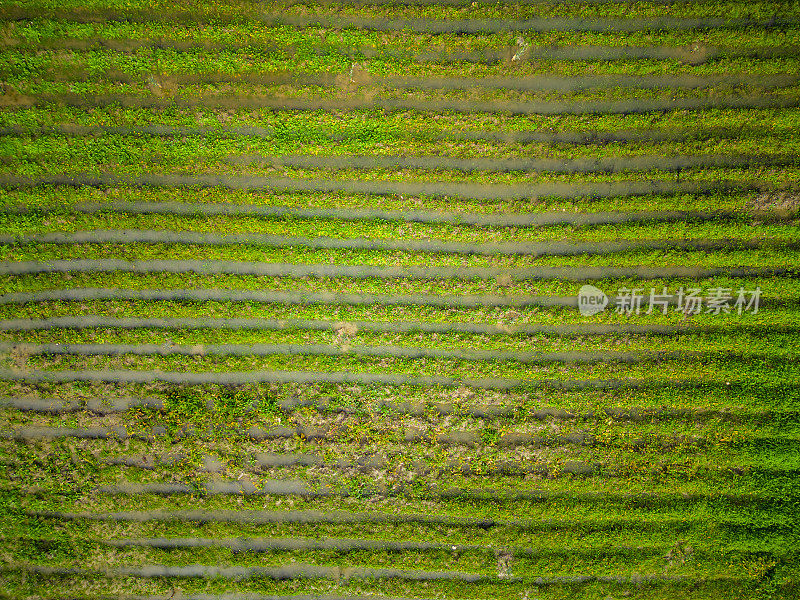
x=302, y=298
x=213, y=101
x=531, y=219
x=265, y=269
x=466, y=190
x=692, y=54
x=504, y=329
x=471, y=26
x=410, y=352
x=528, y=83
x=142, y=236
x=582, y=137
x=367, y=378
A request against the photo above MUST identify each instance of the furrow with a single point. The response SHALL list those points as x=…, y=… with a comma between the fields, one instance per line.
x=691, y=54
x=266, y=517
x=111, y=405
x=534, y=219
x=310, y=572
x=432, y=26
x=529, y=136
x=325, y=298
x=137, y=236
x=102, y=322
x=477, y=191
x=538, y=83
x=215, y=267
x=602, y=356
x=367, y=378
x=359, y=103
x=342, y=545
x=581, y=165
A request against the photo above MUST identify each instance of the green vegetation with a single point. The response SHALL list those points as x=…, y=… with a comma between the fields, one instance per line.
x=406, y=434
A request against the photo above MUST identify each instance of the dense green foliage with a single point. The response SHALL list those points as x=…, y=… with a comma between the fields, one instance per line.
x=402, y=436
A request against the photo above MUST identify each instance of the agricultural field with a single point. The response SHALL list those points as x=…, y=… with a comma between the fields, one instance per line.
x=296, y=300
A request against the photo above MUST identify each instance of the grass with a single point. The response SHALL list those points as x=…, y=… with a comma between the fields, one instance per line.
x=659, y=492
x=57, y=200
x=329, y=57
x=39, y=222
x=785, y=287
x=42, y=150
x=236, y=12
x=231, y=35
x=739, y=258
x=746, y=342
x=320, y=124
x=717, y=372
